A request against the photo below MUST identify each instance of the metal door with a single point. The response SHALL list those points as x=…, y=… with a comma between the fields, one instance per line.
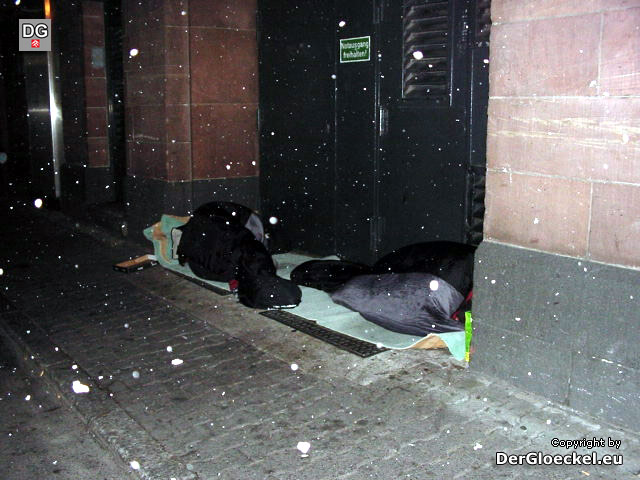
x=296, y=124
x=356, y=187
x=115, y=95
x=424, y=122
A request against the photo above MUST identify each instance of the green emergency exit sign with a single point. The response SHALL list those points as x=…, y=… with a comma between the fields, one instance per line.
x=355, y=49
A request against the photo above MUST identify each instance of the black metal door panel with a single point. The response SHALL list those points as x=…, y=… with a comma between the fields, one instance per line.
x=356, y=187
x=424, y=118
x=296, y=124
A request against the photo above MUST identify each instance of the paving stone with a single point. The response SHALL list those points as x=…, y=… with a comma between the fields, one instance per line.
x=234, y=408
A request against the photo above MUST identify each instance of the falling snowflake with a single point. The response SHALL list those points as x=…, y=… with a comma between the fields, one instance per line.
x=134, y=464
x=304, y=448
x=79, y=387
x=177, y=361
x=294, y=366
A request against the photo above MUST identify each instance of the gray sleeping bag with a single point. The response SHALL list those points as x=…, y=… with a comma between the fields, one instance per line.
x=411, y=303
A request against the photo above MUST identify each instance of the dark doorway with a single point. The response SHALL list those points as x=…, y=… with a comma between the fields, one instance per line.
x=409, y=124
x=113, y=31
x=296, y=124
x=427, y=101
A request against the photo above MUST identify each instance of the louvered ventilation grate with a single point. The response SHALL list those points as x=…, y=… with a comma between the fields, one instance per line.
x=476, y=215
x=426, y=50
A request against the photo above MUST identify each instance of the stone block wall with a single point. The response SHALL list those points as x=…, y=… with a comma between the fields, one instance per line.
x=557, y=285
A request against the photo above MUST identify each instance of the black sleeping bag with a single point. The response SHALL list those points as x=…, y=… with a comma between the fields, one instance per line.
x=450, y=261
x=410, y=303
x=414, y=290
x=327, y=275
x=212, y=246
x=217, y=245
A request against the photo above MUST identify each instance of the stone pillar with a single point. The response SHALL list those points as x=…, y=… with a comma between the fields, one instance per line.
x=556, y=284
x=191, y=105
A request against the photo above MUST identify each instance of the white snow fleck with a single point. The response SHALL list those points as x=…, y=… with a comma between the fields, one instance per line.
x=486, y=60
x=493, y=282
x=37, y=202
x=79, y=387
x=294, y=366
x=74, y=367
x=134, y=464
x=177, y=361
x=418, y=55
x=605, y=166
x=304, y=447
x=548, y=422
x=133, y=52
x=126, y=325
x=518, y=319
x=273, y=220
x=433, y=285
x=169, y=348
x=342, y=23
x=625, y=137
x=536, y=221
x=605, y=360
x=27, y=398
x=333, y=76
x=477, y=446
x=1, y=271
x=529, y=373
x=135, y=374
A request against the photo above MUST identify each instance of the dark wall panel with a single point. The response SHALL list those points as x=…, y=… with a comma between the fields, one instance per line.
x=296, y=119
x=355, y=137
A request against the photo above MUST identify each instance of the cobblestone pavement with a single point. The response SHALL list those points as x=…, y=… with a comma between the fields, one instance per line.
x=235, y=408
x=40, y=439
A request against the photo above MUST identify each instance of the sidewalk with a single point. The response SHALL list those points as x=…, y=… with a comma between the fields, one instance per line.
x=235, y=408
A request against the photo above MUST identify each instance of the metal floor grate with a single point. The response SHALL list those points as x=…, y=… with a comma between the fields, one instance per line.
x=340, y=340
x=201, y=283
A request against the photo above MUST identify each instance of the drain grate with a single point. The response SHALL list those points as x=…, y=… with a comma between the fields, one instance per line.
x=197, y=281
x=340, y=340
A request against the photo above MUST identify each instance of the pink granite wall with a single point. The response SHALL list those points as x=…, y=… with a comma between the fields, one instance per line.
x=564, y=128
x=192, y=89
